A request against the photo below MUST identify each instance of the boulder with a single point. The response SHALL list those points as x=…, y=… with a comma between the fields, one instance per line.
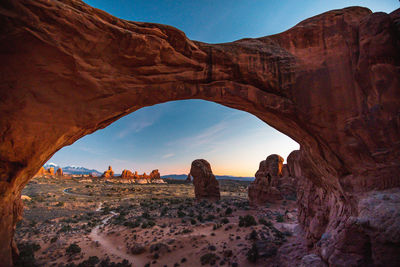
x=205, y=184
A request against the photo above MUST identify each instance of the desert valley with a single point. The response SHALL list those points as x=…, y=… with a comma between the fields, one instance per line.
x=148, y=221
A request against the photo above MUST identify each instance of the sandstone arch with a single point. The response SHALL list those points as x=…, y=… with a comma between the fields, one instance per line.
x=331, y=83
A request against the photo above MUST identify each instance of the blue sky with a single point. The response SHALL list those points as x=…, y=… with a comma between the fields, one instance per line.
x=170, y=136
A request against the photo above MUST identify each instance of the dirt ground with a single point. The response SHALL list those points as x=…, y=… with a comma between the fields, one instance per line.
x=92, y=222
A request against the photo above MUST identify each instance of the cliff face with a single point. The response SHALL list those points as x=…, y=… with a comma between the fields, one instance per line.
x=331, y=83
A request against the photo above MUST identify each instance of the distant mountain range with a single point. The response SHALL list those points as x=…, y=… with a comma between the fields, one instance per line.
x=79, y=170
x=219, y=177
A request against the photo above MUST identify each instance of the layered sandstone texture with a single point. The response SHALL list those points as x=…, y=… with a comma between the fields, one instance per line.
x=274, y=180
x=331, y=83
x=264, y=188
x=205, y=184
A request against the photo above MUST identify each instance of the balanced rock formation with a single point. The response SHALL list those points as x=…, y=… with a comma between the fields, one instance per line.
x=205, y=184
x=264, y=188
x=331, y=83
x=108, y=173
x=59, y=172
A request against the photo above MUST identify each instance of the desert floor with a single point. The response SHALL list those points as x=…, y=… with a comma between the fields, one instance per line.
x=92, y=222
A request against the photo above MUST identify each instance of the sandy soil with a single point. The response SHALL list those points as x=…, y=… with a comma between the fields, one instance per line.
x=157, y=225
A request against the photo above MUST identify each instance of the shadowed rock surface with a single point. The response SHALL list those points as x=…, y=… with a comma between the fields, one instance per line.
x=331, y=83
x=275, y=180
x=264, y=188
x=59, y=172
x=205, y=184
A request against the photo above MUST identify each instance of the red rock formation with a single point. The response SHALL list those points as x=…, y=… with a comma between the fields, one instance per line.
x=264, y=188
x=205, y=184
x=42, y=171
x=126, y=174
x=50, y=171
x=59, y=172
x=155, y=174
x=331, y=83
x=108, y=173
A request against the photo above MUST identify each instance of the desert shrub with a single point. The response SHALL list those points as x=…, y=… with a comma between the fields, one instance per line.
x=200, y=218
x=279, y=218
x=60, y=204
x=186, y=231
x=210, y=217
x=225, y=220
x=265, y=222
x=209, y=258
x=27, y=254
x=247, y=221
x=216, y=226
x=228, y=211
x=253, y=235
x=53, y=239
x=146, y=215
x=181, y=214
x=73, y=249
x=65, y=228
x=252, y=253
x=163, y=211
x=193, y=221
x=90, y=262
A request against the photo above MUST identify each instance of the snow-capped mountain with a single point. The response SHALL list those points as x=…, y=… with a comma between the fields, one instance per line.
x=79, y=170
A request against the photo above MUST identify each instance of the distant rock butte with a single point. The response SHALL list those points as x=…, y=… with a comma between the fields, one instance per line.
x=108, y=173
x=205, y=184
x=331, y=83
x=127, y=174
x=59, y=172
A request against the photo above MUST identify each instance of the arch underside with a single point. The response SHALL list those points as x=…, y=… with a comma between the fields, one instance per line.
x=331, y=83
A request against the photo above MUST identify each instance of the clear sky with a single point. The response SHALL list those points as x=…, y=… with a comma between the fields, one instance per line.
x=170, y=136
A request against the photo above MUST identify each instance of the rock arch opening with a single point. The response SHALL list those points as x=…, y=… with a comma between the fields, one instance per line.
x=331, y=83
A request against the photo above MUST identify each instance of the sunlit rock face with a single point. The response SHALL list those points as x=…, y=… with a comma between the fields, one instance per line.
x=331, y=83
x=205, y=184
x=108, y=173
